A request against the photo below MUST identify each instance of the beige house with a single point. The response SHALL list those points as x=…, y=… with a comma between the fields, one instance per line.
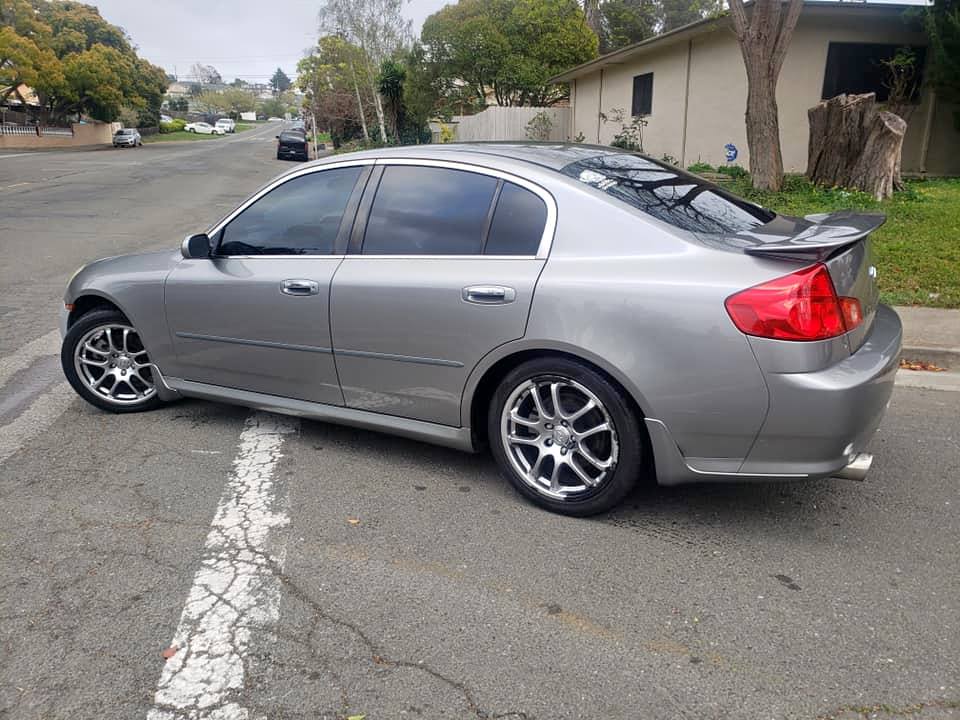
x=691, y=86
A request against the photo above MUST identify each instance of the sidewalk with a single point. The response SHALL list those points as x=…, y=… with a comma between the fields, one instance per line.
x=931, y=334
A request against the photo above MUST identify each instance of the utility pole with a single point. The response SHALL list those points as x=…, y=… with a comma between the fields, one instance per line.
x=316, y=145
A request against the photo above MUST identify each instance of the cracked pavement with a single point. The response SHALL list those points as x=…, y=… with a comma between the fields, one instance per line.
x=227, y=535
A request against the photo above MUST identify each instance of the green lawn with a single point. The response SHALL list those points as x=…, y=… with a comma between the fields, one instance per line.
x=917, y=252
x=244, y=126
x=179, y=135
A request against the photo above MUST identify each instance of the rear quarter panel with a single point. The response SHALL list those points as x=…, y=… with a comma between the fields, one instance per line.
x=649, y=304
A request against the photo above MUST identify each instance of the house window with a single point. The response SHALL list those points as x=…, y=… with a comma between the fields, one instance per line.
x=642, y=94
x=859, y=68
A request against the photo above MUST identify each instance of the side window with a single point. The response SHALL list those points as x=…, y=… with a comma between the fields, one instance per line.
x=859, y=68
x=300, y=217
x=642, y=95
x=518, y=222
x=428, y=211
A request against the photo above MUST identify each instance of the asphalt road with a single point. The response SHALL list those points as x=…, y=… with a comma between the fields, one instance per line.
x=300, y=570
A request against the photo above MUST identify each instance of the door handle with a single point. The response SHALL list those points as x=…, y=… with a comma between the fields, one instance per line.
x=489, y=294
x=300, y=287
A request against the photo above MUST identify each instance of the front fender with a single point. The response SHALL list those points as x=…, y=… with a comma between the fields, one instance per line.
x=135, y=285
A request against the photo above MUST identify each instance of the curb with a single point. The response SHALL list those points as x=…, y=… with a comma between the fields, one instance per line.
x=944, y=357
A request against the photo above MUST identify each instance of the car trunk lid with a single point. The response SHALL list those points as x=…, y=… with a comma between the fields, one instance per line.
x=840, y=240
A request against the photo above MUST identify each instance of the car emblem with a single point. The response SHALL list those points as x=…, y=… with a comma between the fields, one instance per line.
x=873, y=272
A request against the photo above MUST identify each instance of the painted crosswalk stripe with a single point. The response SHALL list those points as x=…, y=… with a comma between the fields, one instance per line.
x=235, y=588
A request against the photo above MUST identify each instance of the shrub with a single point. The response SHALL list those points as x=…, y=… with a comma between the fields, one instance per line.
x=174, y=125
x=734, y=171
x=701, y=167
x=540, y=126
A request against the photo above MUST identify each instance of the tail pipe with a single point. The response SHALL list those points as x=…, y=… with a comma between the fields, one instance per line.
x=857, y=468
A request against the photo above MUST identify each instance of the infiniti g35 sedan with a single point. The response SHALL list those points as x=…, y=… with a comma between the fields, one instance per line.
x=591, y=316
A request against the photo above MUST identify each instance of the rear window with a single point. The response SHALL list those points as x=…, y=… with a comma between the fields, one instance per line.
x=291, y=137
x=669, y=194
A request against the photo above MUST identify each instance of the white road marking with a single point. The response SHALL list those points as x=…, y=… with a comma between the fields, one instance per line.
x=28, y=354
x=40, y=415
x=233, y=590
x=945, y=381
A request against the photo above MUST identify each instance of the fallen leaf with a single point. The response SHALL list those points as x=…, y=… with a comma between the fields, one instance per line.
x=377, y=660
x=906, y=364
x=169, y=652
x=353, y=521
x=356, y=717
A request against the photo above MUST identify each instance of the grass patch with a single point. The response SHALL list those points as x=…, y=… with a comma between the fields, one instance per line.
x=179, y=135
x=240, y=127
x=917, y=252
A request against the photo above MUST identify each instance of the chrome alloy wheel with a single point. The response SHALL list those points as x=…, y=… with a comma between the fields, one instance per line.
x=112, y=362
x=559, y=437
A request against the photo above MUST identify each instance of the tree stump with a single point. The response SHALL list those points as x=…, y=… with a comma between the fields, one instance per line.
x=854, y=144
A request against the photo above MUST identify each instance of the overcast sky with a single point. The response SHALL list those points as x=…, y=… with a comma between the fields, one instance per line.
x=245, y=38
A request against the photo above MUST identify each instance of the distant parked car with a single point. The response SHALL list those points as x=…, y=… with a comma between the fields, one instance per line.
x=127, y=137
x=274, y=119
x=165, y=118
x=292, y=144
x=226, y=124
x=204, y=129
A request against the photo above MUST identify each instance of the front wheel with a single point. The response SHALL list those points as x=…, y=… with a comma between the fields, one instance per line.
x=565, y=436
x=105, y=362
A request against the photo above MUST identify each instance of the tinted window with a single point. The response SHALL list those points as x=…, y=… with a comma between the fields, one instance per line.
x=292, y=137
x=429, y=211
x=669, y=194
x=518, y=222
x=642, y=95
x=859, y=68
x=300, y=217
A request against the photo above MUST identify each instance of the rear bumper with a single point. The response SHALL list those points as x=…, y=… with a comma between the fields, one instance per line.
x=816, y=424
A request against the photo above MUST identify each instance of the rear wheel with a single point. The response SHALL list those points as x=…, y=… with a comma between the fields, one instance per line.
x=105, y=362
x=565, y=436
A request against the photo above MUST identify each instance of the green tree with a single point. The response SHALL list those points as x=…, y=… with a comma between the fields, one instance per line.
x=509, y=48
x=237, y=100
x=75, y=61
x=337, y=89
x=943, y=26
x=280, y=82
x=625, y=22
x=672, y=14
x=274, y=107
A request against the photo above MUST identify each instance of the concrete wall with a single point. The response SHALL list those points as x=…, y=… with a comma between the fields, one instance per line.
x=718, y=94
x=86, y=134
x=509, y=123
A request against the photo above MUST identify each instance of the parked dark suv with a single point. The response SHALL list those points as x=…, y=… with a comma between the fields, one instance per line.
x=292, y=144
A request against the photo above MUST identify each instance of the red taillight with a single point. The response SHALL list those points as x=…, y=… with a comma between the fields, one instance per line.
x=799, y=306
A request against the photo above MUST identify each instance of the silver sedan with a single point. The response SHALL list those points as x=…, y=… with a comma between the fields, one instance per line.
x=591, y=316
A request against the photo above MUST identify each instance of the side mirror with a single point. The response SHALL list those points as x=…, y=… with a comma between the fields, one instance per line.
x=277, y=137
x=196, y=246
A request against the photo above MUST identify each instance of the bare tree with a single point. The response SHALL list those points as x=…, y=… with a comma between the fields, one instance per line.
x=764, y=37
x=377, y=27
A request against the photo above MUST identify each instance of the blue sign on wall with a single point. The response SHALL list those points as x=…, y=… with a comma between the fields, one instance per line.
x=731, y=151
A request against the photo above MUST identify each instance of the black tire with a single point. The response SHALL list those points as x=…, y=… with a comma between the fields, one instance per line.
x=80, y=329
x=628, y=436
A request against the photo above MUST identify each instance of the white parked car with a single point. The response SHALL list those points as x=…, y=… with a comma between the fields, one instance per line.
x=204, y=129
x=226, y=124
x=274, y=119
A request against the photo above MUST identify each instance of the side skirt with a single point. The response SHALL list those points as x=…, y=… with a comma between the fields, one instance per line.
x=452, y=437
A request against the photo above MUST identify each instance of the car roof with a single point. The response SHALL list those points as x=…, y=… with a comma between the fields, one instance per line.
x=541, y=155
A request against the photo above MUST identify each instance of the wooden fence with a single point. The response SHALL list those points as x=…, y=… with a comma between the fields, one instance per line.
x=512, y=123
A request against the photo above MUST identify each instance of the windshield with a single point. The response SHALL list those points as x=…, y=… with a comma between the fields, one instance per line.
x=669, y=194
x=124, y=132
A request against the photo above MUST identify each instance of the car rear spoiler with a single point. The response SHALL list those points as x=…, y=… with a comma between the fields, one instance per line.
x=814, y=237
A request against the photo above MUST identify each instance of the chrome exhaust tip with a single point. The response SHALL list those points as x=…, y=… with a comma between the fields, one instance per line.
x=857, y=468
